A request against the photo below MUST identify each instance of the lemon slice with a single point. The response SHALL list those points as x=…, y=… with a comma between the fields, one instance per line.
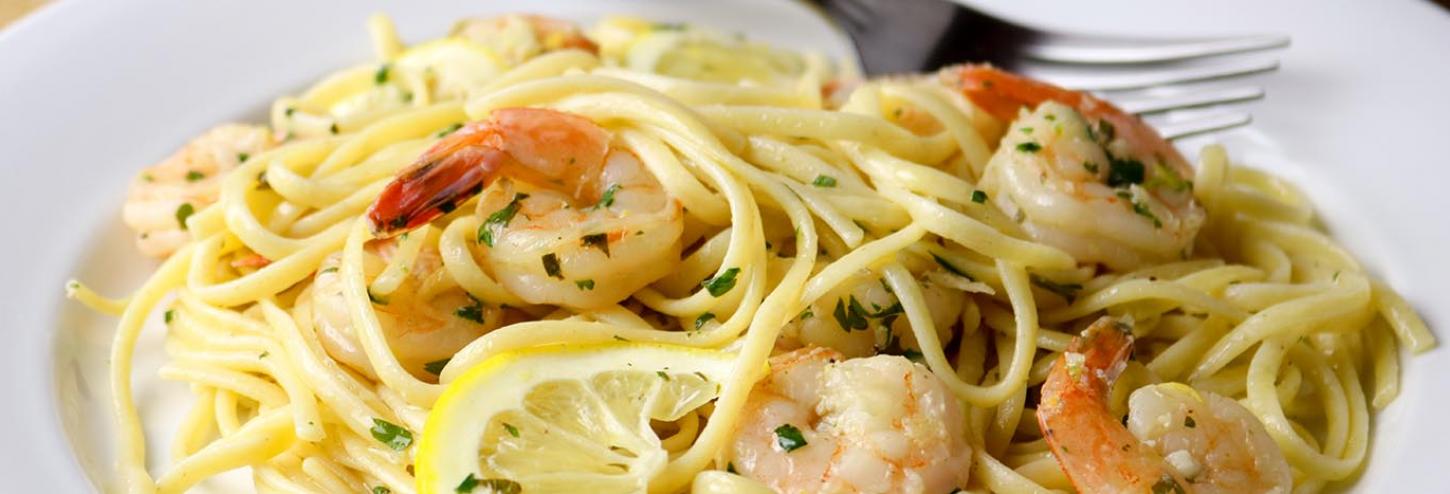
x=455, y=65
x=564, y=418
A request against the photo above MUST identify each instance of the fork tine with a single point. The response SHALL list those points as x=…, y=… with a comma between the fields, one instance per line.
x=1084, y=50
x=1155, y=104
x=1137, y=79
x=1201, y=125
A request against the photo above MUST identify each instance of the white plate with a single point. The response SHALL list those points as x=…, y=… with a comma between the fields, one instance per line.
x=92, y=90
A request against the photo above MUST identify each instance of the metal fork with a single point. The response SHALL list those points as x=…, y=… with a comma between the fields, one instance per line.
x=901, y=36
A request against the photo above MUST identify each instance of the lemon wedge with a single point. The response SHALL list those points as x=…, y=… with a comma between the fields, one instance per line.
x=564, y=418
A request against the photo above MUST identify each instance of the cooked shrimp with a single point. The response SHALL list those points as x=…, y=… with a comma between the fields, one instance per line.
x=163, y=195
x=1177, y=440
x=1082, y=175
x=821, y=424
x=861, y=317
x=566, y=220
x=519, y=37
x=424, y=321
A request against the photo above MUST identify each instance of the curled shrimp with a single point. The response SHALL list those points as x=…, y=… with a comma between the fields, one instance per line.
x=1082, y=175
x=163, y=195
x=820, y=423
x=565, y=219
x=1177, y=439
x=425, y=319
x=519, y=37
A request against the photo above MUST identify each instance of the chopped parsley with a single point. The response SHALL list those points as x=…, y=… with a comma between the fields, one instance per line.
x=979, y=197
x=807, y=314
x=1026, y=130
x=381, y=76
x=333, y=128
x=551, y=265
x=1140, y=208
x=184, y=211
x=1124, y=172
x=584, y=284
x=382, y=489
x=289, y=111
x=662, y=375
x=704, y=318
x=851, y=315
x=1029, y=147
x=472, y=312
x=721, y=284
x=607, y=199
x=1189, y=422
x=436, y=367
x=468, y=485
x=824, y=181
x=1090, y=167
x=391, y=434
x=1166, y=177
x=242, y=157
x=951, y=268
x=450, y=129
x=597, y=240
x=168, y=315
x=500, y=219
x=1067, y=291
x=789, y=438
x=513, y=431
x=328, y=270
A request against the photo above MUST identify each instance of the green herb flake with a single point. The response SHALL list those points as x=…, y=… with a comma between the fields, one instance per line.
x=807, y=314
x=551, y=265
x=264, y=354
x=607, y=199
x=381, y=76
x=704, y=318
x=597, y=240
x=436, y=367
x=824, y=181
x=951, y=268
x=584, y=284
x=496, y=222
x=381, y=489
x=333, y=129
x=1189, y=422
x=289, y=111
x=1067, y=291
x=789, y=438
x=979, y=196
x=1029, y=147
x=472, y=312
x=468, y=485
x=328, y=270
x=850, y=315
x=720, y=285
x=513, y=431
x=168, y=316
x=662, y=375
x=1124, y=172
x=449, y=129
x=1026, y=130
x=184, y=211
x=391, y=434
x=1140, y=208
x=1090, y=167
x=242, y=157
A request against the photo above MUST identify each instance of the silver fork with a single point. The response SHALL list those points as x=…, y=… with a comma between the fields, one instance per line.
x=900, y=36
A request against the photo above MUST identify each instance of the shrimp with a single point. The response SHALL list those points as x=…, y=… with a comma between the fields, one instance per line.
x=861, y=317
x=424, y=321
x=566, y=220
x=163, y=195
x=821, y=424
x=1177, y=440
x=1082, y=175
x=519, y=37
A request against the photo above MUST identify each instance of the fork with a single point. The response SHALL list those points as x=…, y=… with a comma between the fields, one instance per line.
x=900, y=36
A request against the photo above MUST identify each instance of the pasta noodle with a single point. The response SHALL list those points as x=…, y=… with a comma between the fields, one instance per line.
x=792, y=193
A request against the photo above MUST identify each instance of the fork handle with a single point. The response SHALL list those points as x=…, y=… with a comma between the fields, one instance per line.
x=900, y=36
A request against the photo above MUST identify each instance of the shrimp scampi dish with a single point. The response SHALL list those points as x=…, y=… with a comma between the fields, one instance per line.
x=535, y=257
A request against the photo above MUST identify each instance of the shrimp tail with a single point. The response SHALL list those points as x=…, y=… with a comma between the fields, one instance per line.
x=445, y=176
x=1091, y=445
